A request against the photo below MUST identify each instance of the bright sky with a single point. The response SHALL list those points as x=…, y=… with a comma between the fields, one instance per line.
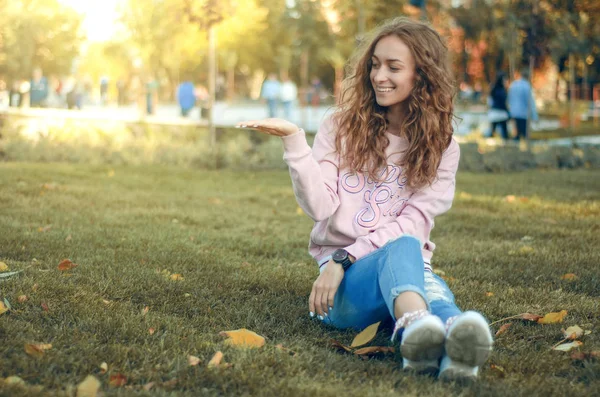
x=100, y=17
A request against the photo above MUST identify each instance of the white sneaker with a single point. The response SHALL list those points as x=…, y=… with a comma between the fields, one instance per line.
x=468, y=345
x=422, y=341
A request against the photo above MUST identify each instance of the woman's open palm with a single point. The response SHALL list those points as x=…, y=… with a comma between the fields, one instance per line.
x=272, y=126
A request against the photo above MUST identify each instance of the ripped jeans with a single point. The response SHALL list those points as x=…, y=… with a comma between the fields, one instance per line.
x=366, y=294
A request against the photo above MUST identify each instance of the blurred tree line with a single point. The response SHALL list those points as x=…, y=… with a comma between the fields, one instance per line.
x=167, y=39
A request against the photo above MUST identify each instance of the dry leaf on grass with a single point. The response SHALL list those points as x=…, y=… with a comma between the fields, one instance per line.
x=489, y=294
x=243, y=338
x=366, y=336
x=103, y=368
x=22, y=298
x=89, y=387
x=565, y=347
x=66, y=264
x=3, y=308
x=37, y=349
x=215, y=361
x=148, y=386
x=176, y=277
x=44, y=306
x=503, y=328
x=117, y=380
x=145, y=310
x=498, y=370
x=583, y=356
x=510, y=198
x=14, y=380
x=3, y=267
x=193, y=360
x=151, y=331
x=373, y=350
x=569, y=277
x=339, y=345
x=522, y=316
x=553, y=318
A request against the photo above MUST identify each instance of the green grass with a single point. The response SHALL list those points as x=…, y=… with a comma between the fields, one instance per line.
x=238, y=241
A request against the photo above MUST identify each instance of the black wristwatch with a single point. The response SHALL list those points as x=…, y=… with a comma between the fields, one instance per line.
x=342, y=257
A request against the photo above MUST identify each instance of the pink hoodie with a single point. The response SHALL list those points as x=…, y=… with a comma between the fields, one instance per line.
x=353, y=212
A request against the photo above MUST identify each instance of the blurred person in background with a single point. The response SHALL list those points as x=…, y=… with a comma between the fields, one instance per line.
x=186, y=97
x=39, y=89
x=289, y=94
x=498, y=114
x=270, y=93
x=521, y=103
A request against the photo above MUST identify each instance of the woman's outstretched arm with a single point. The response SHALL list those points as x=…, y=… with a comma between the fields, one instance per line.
x=314, y=172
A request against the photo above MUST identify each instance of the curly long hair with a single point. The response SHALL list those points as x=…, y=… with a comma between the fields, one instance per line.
x=427, y=125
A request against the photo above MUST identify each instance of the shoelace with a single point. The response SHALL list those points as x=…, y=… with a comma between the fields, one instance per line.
x=407, y=319
x=449, y=322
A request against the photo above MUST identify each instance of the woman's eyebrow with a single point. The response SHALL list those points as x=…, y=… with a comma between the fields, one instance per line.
x=389, y=60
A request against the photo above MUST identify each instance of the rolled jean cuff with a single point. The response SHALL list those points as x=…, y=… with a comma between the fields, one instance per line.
x=405, y=288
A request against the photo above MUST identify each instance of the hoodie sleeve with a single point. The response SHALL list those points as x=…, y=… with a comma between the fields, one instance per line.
x=314, y=172
x=416, y=218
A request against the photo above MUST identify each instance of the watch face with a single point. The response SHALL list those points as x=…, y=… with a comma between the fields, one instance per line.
x=339, y=255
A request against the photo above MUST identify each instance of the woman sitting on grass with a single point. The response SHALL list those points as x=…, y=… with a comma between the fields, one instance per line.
x=380, y=170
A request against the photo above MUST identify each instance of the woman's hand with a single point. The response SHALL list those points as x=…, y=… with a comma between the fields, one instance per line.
x=276, y=127
x=324, y=289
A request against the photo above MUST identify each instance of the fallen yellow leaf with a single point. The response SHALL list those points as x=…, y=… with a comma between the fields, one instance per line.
x=3, y=308
x=193, y=360
x=3, y=267
x=552, y=318
x=366, y=335
x=37, y=350
x=151, y=331
x=176, y=277
x=372, y=350
x=215, y=361
x=574, y=332
x=14, y=380
x=569, y=277
x=66, y=264
x=22, y=298
x=243, y=338
x=488, y=294
x=103, y=368
x=89, y=387
x=299, y=211
x=565, y=347
x=145, y=310
x=510, y=198
x=526, y=250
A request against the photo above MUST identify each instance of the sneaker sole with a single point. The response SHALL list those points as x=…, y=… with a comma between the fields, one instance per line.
x=426, y=344
x=459, y=373
x=469, y=342
x=425, y=367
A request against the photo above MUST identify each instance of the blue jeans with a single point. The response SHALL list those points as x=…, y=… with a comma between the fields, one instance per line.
x=366, y=294
x=272, y=107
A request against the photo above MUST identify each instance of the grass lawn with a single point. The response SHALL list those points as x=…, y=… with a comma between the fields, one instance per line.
x=240, y=244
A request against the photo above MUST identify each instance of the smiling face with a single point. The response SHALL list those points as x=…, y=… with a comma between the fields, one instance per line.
x=392, y=71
